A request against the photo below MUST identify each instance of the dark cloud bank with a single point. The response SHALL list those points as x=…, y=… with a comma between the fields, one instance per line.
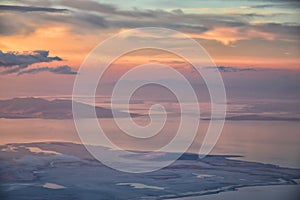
x=30, y=9
x=16, y=62
x=230, y=69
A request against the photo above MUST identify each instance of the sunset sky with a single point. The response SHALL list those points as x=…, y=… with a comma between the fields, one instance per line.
x=258, y=35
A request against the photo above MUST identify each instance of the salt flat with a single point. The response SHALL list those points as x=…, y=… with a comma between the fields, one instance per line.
x=61, y=170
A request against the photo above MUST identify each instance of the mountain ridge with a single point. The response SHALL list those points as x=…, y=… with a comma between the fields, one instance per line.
x=31, y=107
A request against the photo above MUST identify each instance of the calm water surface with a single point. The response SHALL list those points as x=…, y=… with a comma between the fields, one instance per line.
x=263, y=141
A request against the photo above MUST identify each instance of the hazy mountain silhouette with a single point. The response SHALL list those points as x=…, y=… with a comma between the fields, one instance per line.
x=42, y=108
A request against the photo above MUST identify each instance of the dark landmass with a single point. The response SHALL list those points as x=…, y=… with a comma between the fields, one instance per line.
x=256, y=117
x=20, y=108
x=57, y=170
x=45, y=109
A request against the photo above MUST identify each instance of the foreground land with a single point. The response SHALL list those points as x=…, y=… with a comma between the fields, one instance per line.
x=53, y=170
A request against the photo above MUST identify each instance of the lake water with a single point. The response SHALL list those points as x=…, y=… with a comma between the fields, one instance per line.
x=279, y=192
x=264, y=141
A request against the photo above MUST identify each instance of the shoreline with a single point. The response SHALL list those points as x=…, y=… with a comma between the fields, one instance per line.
x=239, y=191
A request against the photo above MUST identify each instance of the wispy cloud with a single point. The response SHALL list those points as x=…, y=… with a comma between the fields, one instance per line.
x=65, y=69
x=294, y=4
x=230, y=69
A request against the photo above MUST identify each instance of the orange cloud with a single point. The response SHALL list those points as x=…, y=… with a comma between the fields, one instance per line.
x=228, y=35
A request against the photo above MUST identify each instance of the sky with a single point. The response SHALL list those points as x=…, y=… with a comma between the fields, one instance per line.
x=255, y=43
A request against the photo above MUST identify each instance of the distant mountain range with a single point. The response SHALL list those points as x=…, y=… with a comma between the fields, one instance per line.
x=62, y=109
x=42, y=108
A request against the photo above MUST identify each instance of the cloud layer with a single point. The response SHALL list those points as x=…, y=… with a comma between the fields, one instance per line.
x=93, y=15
